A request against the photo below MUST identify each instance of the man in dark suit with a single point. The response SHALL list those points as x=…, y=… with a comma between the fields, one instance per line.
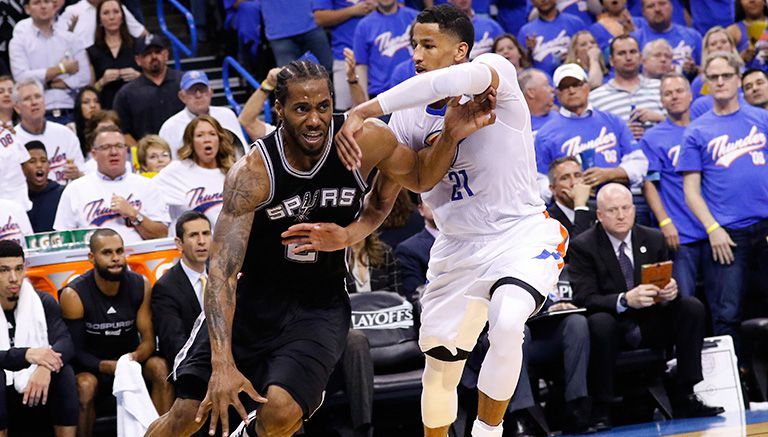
x=413, y=253
x=570, y=195
x=605, y=264
x=177, y=297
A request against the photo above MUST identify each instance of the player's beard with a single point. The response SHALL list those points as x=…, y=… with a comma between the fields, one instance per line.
x=298, y=139
x=107, y=275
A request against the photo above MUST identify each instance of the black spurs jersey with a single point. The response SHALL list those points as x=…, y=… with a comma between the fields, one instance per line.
x=327, y=193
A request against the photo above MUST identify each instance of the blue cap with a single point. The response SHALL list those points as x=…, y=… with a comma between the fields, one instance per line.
x=194, y=77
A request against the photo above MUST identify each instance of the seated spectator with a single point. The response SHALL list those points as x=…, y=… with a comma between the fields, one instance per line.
x=196, y=94
x=14, y=222
x=663, y=187
x=755, y=86
x=571, y=195
x=13, y=185
x=539, y=96
x=754, y=15
x=402, y=222
x=35, y=353
x=371, y=266
x=717, y=39
x=43, y=192
x=546, y=38
x=145, y=103
x=510, y=49
x=111, y=197
x=86, y=104
x=413, y=254
x=584, y=51
x=152, y=154
x=86, y=17
x=600, y=138
x=177, y=297
x=605, y=274
x=7, y=114
x=685, y=42
x=486, y=28
x=614, y=21
x=678, y=11
x=98, y=120
x=107, y=311
x=629, y=95
x=50, y=55
x=657, y=59
x=197, y=180
x=63, y=148
x=254, y=107
x=390, y=22
x=111, y=51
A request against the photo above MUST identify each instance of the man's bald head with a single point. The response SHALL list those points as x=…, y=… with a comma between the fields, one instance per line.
x=615, y=210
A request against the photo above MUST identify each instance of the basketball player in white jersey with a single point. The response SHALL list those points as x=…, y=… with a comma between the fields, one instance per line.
x=498, y=254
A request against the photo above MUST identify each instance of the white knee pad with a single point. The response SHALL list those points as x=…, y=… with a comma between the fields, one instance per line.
x=439, y=401
x=509, y=309
x=482, y=429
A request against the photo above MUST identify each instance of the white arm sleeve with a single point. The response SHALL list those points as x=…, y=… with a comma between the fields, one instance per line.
x=636, y=166
x=468, y=78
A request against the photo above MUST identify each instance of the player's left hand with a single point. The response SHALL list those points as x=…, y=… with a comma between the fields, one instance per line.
x=669, y=292
x=462, y=120
x=36, y=391
x=323, y=237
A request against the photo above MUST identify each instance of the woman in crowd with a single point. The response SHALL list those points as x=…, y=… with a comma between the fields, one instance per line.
x=152, y=155
x=87, y=104
x=749, y=32
x=717, y=39
x=111, y=54
x=583, y=50
x=196, y=180
x=508, y=47
x=372, y=266
x=402, y=222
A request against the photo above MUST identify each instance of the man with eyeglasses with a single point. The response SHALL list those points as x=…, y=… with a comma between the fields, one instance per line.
x=196, y=94
x=111, y=197
x=725, y=180
x=602, y=140
x=604, y=268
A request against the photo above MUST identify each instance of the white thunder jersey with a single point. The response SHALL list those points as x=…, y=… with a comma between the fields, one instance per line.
x=492, y=182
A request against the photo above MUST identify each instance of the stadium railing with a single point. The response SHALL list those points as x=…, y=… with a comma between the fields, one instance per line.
x=176, y=44
x=230, y=62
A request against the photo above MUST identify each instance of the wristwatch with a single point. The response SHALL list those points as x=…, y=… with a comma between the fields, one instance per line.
x=137, y=221
x=623, y=300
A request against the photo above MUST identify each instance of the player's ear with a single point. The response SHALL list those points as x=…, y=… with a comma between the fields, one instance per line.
x=279, y=109
x=462, y=52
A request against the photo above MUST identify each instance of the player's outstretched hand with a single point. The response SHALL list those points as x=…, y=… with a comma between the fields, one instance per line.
x=346, y=145
x=323, y=237
x=223, y=389
x=463, y=120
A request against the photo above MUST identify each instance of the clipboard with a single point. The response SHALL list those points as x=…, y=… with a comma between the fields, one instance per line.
x=658, y=274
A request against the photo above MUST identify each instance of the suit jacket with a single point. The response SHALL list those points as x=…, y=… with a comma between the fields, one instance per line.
x=583, y=219
x=174, y=310
x=594, y=270
x=413, y=256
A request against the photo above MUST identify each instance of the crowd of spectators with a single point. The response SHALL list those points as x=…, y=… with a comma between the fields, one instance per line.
x=650, y=137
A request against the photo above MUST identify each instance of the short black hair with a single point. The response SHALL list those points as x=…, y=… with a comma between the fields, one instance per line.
x=11, y=249
x=451, y=20
x=188, y=216
x=299, y=70
x=101, y=232
x=35, y=145
x=561, y=160
x=622, y=37
x=754, y=70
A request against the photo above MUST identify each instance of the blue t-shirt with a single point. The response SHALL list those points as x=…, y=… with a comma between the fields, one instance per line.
x=710, y=13
x=661, y=145
x=381, y=42
x=603, y=37
x=678, y=10
x=604, y=132
x=342, y=33
x=704, y=104
x=479, y=6
x=402, y=72
x=553, y=38
x=577, y=8
x=284, y=18
x=486, y=30
x=730, y=152
x=685, y=42
x=537, y=121
x=512, y=14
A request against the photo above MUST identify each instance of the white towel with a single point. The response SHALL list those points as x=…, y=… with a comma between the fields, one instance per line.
x=135, y=411
x=31, y=332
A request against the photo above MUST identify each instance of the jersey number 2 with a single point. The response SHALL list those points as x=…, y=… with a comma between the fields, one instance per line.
x=460, y=183
x=308, y=256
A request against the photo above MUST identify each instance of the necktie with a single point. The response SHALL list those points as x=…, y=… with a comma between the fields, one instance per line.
x=203, y=283
x=626, y=266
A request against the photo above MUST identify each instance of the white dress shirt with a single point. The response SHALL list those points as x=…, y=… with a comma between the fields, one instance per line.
x=85, y=29
x=615, y=242
x=32, y=52
x=194, y=279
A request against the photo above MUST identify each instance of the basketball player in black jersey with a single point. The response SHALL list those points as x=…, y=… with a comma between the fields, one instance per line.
x=277, y=320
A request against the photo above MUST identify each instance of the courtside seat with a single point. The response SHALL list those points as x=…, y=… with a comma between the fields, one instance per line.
x=754, y=340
